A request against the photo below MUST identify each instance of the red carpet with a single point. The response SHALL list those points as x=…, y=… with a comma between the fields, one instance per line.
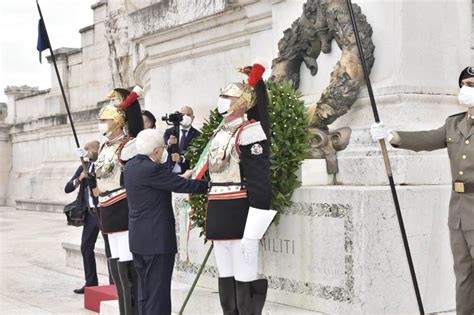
x=94, y=295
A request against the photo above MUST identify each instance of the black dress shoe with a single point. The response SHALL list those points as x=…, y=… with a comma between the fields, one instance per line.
x=79, y=291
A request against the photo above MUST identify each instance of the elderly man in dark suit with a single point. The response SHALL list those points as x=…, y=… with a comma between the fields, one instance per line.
x=152, y=232
x=176, y=161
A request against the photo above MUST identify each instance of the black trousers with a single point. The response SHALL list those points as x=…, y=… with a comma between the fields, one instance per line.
x=108, y=254
x=90, y=231
x=154, y=283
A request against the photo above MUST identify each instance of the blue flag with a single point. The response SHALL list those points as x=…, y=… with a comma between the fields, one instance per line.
x=43, y=40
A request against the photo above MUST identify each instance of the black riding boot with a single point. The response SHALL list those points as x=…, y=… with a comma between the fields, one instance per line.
x=250, y=296
x=129, y=281
x=227, y=296
x=114, y=273
x=259, y=294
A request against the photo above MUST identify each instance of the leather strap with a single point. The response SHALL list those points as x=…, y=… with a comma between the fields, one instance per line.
x=463, y=188
x=108, y=192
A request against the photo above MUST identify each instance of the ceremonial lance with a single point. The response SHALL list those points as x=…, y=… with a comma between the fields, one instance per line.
x=386, y=159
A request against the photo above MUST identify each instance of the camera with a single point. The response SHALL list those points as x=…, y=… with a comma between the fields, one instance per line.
x=173, y=119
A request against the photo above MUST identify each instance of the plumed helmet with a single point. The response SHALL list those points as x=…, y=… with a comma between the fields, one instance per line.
x=112, y=112
x=245, y=91
x=124, y=104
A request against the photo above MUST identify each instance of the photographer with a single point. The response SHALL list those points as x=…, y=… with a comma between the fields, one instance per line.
x=90, y=230
x=178, y=138
x=152, y=232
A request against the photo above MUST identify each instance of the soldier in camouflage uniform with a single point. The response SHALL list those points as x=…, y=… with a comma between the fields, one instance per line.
x=457, y=135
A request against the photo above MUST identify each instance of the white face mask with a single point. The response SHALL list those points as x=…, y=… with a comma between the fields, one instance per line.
x=223, y=106
x=103, y=128
x=187, y=121
x=466, y=96
x=164, y=156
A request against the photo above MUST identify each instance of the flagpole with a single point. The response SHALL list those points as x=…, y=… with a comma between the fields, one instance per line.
x=53, y=58
x=386, y=158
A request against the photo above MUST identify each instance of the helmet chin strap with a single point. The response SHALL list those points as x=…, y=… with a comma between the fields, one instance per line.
x=111, y=133
x=236, y=106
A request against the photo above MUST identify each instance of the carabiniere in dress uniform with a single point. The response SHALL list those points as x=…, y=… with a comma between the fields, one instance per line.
x=238, y=212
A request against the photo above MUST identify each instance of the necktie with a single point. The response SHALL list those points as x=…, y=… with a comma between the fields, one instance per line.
x=182, y=140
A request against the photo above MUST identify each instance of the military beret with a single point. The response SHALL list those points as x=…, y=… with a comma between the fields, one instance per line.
x=468, y=72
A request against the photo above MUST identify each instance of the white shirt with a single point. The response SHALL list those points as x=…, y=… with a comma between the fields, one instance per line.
x=177, y=167
x=91, y=201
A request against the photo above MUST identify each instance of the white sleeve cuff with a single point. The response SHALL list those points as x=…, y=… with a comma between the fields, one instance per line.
x=258, y=221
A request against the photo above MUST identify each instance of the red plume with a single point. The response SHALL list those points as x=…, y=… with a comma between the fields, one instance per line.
x=256, y=73
x=131, y=98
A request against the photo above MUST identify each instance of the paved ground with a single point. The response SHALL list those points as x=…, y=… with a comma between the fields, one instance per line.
x=33, y=276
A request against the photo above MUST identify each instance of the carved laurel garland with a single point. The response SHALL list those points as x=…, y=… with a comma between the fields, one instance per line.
x=321, y=22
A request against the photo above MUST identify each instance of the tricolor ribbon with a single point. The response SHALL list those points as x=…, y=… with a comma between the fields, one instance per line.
x=199, y=170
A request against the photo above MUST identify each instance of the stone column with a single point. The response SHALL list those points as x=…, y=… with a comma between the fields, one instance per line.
x=5, y=154
x=13, y=93
x=54, y=101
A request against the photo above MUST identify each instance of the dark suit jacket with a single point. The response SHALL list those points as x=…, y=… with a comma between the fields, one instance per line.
x=192, y=133
x=151, y=219
x=84, y=186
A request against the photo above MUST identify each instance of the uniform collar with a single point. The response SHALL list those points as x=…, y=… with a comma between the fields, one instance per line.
x=234, y=123
x=115, y=140
x=465, y=127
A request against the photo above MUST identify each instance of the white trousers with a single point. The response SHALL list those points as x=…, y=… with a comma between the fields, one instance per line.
x=119, y=246
x=231, y=263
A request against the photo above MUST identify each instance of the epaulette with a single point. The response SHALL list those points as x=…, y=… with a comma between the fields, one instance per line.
x=458, y=114
x=129, y=150
x=251, y=133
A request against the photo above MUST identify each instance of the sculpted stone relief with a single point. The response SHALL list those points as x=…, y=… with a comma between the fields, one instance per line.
x=312, y=33
x=116, y=34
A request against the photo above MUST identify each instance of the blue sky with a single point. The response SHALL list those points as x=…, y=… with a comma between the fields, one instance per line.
x=19, y=63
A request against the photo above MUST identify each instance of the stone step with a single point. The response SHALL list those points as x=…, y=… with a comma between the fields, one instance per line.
x=41, y=205
x=205, y=301
x=74, y=257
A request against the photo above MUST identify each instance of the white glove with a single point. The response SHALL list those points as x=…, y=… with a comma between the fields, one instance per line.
x=379, y=132
x=249, y=249
x=81, y=153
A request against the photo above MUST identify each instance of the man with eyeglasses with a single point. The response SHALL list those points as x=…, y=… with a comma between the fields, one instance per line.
x=457, y=135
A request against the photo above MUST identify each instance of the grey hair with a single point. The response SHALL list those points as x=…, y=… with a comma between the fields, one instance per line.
x=148, y=140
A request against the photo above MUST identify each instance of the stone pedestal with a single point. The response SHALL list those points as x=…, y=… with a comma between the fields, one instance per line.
x=314, y=172
x=338, y=250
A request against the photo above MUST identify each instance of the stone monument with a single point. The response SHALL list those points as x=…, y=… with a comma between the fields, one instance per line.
x=338, y=248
